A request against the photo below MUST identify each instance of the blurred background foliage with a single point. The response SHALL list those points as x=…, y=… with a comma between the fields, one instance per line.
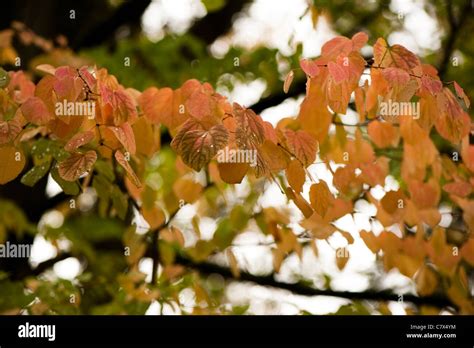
x=106, y=33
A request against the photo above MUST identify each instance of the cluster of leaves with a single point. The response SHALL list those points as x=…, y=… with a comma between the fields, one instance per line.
x=118, y=153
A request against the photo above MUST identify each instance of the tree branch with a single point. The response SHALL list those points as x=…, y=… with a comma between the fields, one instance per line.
x=454, y=28
x=306, y=290
x=217, y=23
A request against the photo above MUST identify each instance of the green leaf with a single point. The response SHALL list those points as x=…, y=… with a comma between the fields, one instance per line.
x=352, y=309
x=119, y=202
x=106, y=169
x=13, y=296
x=35, y=174
x=167, y=252
x=213, y=5
x=240, y=310
x=4, y=78
x=44, y=147
x=224, y=234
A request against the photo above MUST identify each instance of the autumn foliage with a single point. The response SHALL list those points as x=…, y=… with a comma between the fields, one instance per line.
x=111, y=153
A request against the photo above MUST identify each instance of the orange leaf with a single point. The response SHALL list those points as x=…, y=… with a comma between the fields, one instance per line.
x=396, y=77
x=35, y=111
x=337, y=72
x=338, y=45
x=119, y=156
x=46, y=68
x=453, y=123
x=383, y=134
x=394, y=56
x=9, y=130
x=424, y=195
x=125, y=135
x=273, y=156
x=199, y=105
x=232, y=173
x=370, y=240
x=79, y=140
x=147, y=137
x=187, y=190
x=460, y=93
x=459, y=188
x=426, y=281
x=467, y=251
x=157, y=105
x=302, y=145
x=309, y=67
x=342, y=256
x=154, y=216
x=359, y=40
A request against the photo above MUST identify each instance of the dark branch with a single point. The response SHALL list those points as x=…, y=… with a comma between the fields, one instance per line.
x=297, y=88
x=302, y=289
x=217, y=23
x=129, y=13
x=454, y=29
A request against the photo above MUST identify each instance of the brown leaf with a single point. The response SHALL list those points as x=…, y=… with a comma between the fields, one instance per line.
x=288, y=80
x=197, y=146
x=77, y=164
x=300, y=202
x=320, y=197
x=296, y=175
x=250, y=129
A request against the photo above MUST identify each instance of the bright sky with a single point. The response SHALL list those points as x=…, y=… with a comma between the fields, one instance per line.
x=278, y=24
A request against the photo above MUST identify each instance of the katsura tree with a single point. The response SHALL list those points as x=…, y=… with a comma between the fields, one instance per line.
x=129, y=162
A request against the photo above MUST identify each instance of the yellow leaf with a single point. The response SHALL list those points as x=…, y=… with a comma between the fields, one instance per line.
x=154, y=216
x=278, y=258
x=234, y=267
x=295, y=175
x=288, y=81
x=187, y=190
x=12, y=162
x=300, y=202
